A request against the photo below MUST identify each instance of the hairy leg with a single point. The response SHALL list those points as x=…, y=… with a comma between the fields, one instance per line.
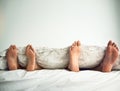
x=111, y=55
x=32, y=64
x=11, y=56
x=74, y=53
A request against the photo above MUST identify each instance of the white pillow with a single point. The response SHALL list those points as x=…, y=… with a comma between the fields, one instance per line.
x=52, y=58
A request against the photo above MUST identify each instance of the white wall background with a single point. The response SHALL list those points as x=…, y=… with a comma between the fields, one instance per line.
x=57, y=23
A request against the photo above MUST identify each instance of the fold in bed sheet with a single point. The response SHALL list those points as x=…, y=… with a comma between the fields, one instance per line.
x=59, y=80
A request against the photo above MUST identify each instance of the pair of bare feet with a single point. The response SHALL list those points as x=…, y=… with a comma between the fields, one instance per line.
x=12, y=58
x=111, y=55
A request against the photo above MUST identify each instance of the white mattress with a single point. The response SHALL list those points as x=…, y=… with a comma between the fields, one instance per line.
x=59, y=80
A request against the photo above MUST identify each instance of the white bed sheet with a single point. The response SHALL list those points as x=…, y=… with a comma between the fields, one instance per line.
x=59, y=80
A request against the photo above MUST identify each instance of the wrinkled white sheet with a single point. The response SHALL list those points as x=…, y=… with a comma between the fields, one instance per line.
x=59, y=80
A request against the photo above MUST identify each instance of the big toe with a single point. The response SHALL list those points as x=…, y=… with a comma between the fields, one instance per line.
x=109, y=49
x=32, y=48
x=28, y=46
x=14, y=47
x=11, y=48
x=110, y=43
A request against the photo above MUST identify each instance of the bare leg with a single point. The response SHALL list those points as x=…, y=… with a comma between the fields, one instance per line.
x=74, y=53
x=11, y=56
x=109, y=59
x=30, y=53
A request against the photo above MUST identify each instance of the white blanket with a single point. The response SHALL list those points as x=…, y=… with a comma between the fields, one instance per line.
x=59, y=80
x=51, y=58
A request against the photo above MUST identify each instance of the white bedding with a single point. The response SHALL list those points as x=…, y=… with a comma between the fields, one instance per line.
x=59, y=80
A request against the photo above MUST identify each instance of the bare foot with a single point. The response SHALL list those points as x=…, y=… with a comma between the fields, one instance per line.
x=110, y=58
x=74, y=53
x=11, y=56
x=30, y=53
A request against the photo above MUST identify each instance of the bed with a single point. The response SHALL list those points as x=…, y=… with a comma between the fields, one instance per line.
x=60, y=79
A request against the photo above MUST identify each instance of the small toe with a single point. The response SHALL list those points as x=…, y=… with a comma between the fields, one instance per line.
x=113, y=44
x=73, y=44
x=78, y=43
